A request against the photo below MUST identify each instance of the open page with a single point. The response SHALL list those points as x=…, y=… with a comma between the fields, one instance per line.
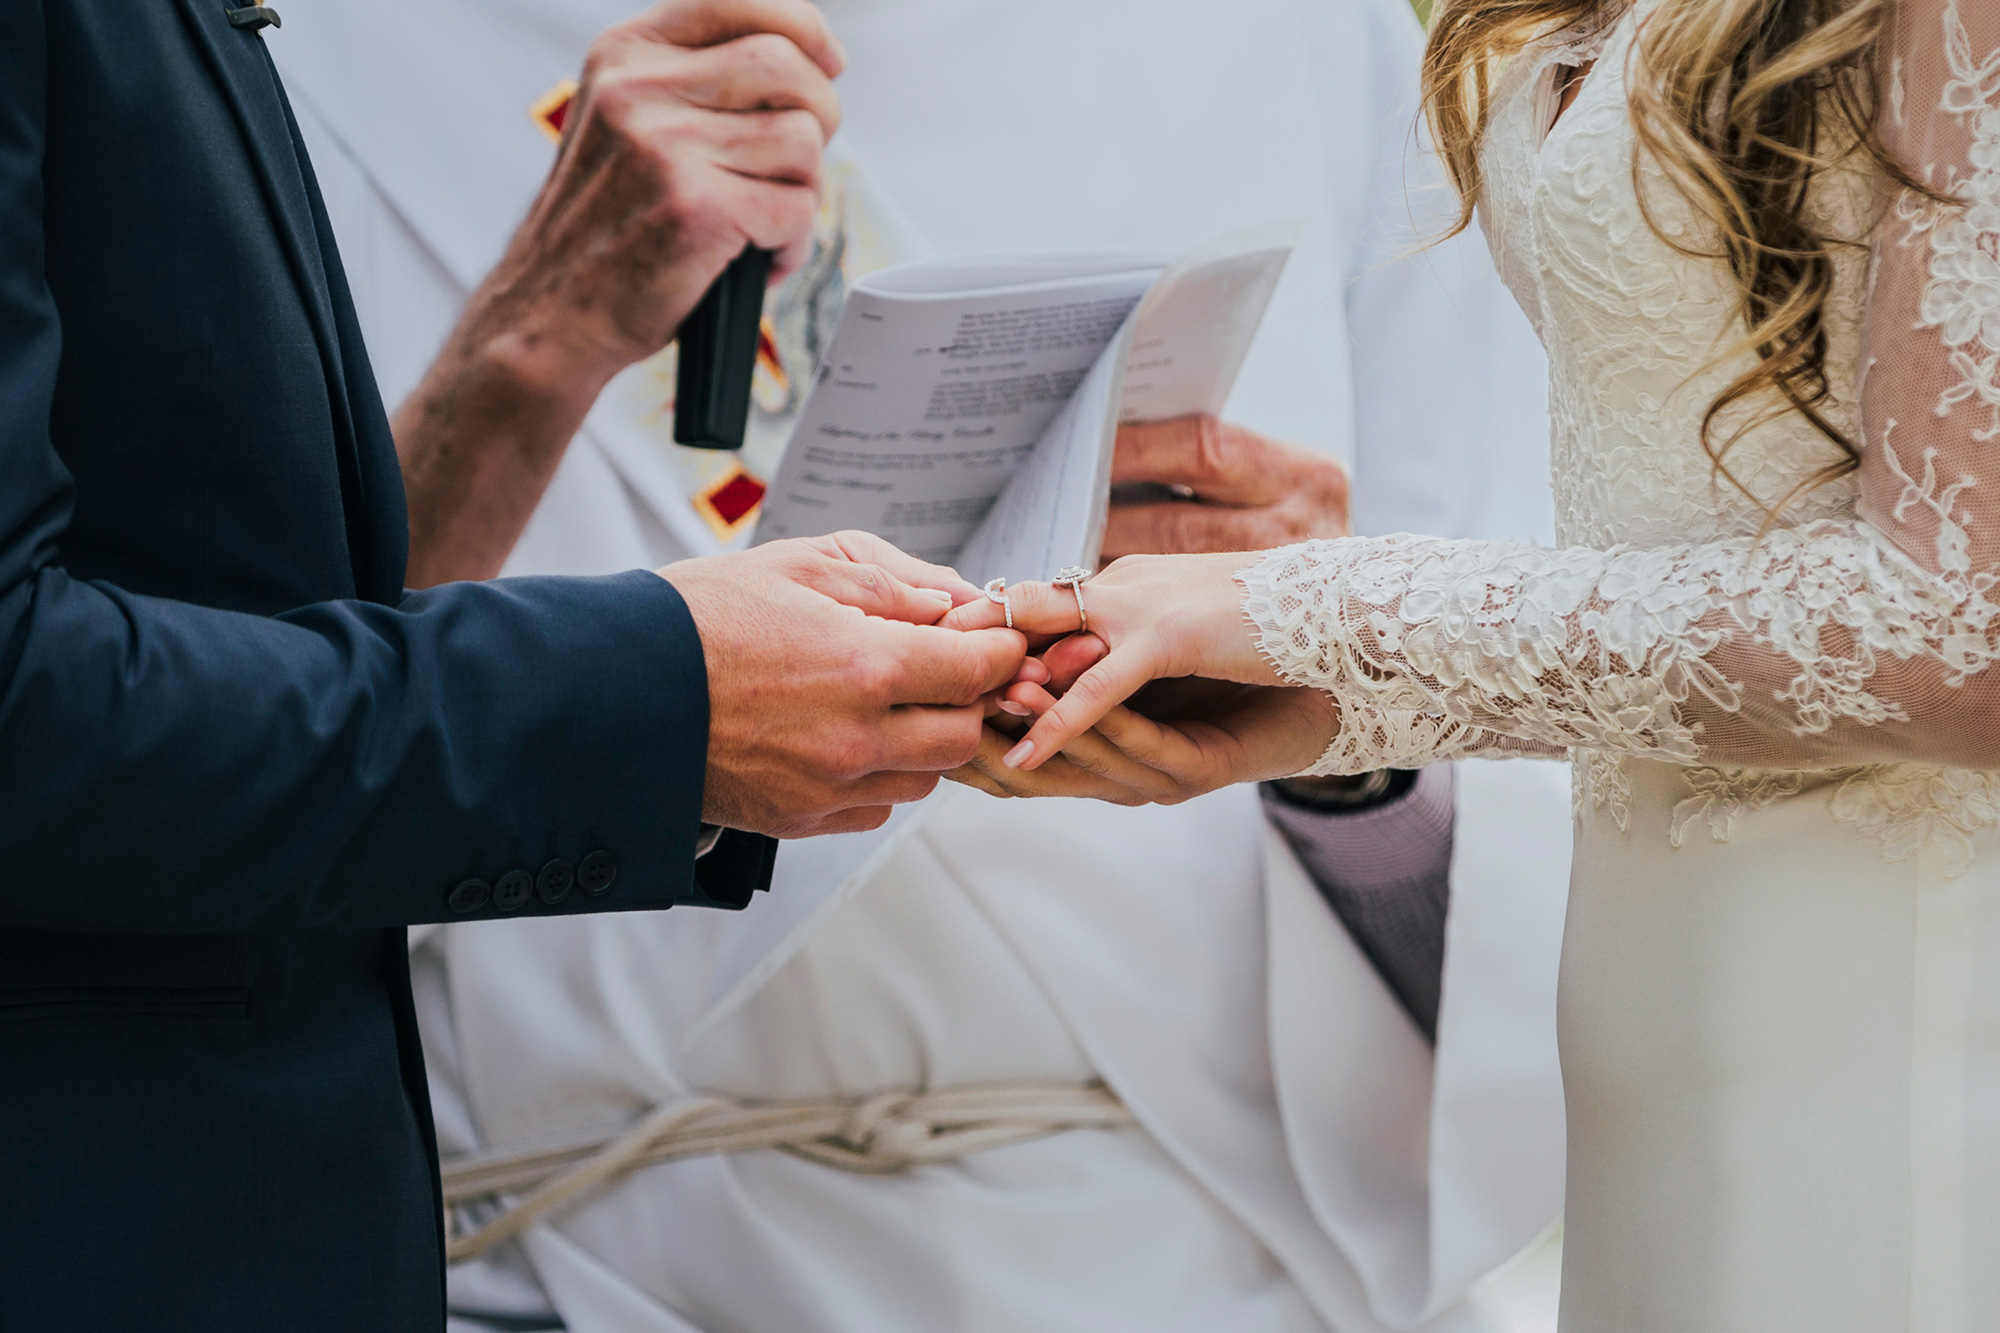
x=1177, y=356
x=938, y=382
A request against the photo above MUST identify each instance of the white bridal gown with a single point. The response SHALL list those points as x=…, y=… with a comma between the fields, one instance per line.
x=1780, y=995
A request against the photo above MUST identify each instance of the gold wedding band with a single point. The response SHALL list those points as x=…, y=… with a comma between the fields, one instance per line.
x=996, y=591
x=1073, y=577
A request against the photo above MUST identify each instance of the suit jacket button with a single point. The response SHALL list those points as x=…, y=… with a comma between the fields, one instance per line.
x=513, y=890
x=554, y=882
x=596, y=873
x=469, y=896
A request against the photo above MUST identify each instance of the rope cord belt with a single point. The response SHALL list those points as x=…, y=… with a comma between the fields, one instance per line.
x=493, y=1197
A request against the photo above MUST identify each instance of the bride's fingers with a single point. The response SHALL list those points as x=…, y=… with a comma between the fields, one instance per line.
x=1043, y=608
x=1069, y=658
x=1112, y=681
x=1030, y=672
x=1096, y=752
x=977, y=614
x=988, y=614
x=1060, y=777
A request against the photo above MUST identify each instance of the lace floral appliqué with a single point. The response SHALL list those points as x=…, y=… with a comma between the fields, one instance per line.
x=1962, y=299
x=1829, y=658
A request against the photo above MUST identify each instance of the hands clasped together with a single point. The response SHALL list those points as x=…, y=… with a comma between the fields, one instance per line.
x=1163, y=695
x=846, y=676
x=1147, y=687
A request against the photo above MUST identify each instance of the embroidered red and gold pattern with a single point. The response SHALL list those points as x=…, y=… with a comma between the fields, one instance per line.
x=551, y=109
x=730, y=502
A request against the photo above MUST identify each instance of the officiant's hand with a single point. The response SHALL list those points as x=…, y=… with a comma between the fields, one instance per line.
x=1232, y=490
x=833, y=691
x=696, y=130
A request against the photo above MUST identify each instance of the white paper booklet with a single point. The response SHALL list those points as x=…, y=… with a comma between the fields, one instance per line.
x=966, y=409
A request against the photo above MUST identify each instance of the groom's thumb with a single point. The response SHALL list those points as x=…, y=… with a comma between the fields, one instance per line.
x=874, y=590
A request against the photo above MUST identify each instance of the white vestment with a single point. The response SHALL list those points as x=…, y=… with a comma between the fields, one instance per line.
x=1303, y=1160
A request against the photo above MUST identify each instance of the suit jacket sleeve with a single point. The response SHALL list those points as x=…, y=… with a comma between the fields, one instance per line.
x=169, y=767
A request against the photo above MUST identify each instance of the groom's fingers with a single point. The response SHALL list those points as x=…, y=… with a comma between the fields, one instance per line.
x=925, y=738
x=868, y=549
x=858, y=820
x=879, y=789
x=1039, y=608
x=929, y=665
x=874, y=590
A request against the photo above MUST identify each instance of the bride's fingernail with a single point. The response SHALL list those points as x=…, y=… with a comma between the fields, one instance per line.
x=1019, y=755
x=936, y=595
x=1018, y=710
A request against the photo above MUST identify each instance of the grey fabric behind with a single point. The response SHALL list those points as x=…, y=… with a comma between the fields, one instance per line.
x=1386, y=873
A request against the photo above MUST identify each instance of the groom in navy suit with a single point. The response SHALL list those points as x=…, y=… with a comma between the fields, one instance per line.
x=237, y=757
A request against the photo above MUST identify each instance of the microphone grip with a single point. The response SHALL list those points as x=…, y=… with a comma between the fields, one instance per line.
x=719, y=355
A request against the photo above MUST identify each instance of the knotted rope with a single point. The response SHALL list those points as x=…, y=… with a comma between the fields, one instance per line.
x=890, y=1131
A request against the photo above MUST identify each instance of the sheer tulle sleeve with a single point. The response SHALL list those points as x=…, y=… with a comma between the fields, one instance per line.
x=1859, y=640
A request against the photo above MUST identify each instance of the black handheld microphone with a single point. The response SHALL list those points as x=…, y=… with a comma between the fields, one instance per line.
x=719, y=355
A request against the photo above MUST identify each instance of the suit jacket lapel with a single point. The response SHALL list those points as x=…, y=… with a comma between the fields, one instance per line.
x=243, y=71
x=381, y=554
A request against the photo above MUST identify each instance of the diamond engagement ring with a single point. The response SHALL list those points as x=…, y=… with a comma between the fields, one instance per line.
x=1073, y=578
x=996, y=591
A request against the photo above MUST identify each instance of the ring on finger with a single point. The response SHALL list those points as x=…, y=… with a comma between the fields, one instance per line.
x=996, y=591
x=1073, y=577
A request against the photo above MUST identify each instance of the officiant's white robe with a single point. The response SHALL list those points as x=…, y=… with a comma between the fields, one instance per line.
x=1303, y=1161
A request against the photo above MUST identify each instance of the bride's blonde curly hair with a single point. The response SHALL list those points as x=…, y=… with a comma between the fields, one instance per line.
x=1742, y=104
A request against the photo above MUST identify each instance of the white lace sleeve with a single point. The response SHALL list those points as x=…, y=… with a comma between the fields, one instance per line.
x=1856, y=640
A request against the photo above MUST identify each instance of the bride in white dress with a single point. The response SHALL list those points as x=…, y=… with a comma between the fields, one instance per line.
x=1768, y=637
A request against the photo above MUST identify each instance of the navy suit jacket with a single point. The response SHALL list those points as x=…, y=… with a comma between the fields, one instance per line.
x=235, y=758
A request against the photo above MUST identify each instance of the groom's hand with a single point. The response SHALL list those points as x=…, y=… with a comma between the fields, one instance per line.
x=1232, y=489
x=833, y=693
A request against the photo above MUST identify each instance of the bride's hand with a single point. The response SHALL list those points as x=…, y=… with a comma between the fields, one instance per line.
x=1160, y=617
x=1178, y=739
